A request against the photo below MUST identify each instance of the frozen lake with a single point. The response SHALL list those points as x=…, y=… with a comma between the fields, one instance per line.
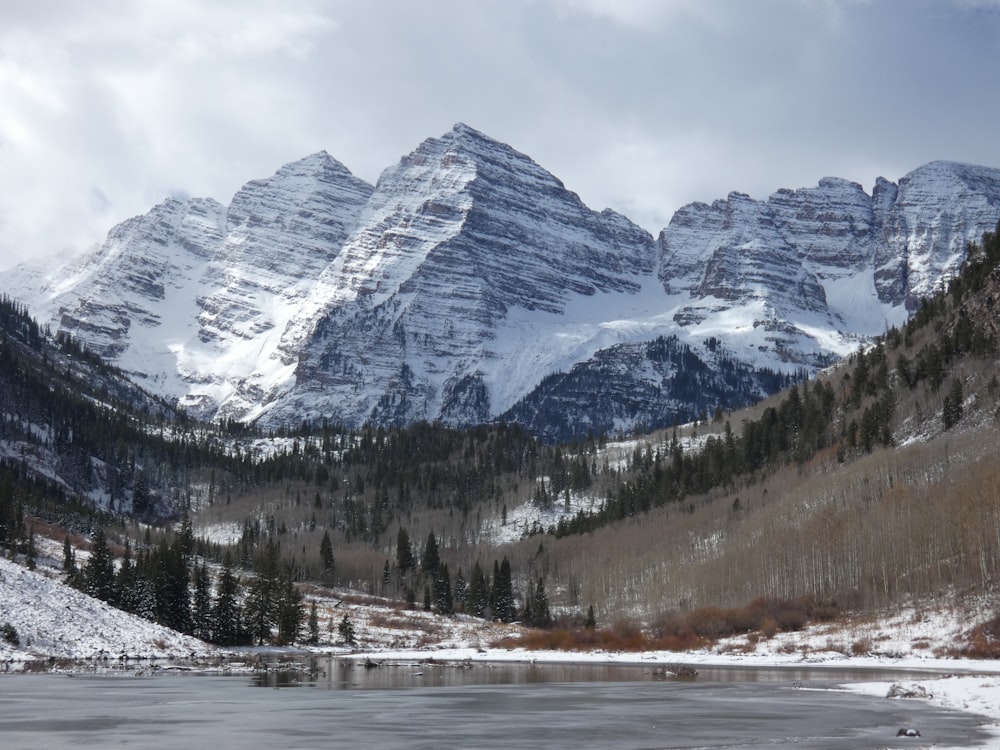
x=338, y=704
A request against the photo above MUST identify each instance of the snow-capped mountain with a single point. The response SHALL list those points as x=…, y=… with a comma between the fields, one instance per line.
x=192, y=297
x=469, y=275
x=814, y=272
x=413, y=320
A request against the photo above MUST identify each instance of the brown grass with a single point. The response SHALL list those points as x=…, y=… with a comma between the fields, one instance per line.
x=984, y=641
x=682, y=631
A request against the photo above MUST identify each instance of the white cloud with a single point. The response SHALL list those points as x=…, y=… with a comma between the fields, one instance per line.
x=646, y=15
x=641, y=105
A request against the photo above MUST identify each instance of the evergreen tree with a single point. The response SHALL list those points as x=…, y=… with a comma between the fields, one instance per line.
x=262, y=596
x=478, y=598
x=541, y=617
x=386, y=578
x=172, y=586
x=226, y=614
x=590, y=623
x=461, y=591
x=953, y=407
x=99, y=572
x=313, y=624
x=326, y=555
x=443, y=600
x=185, y=539
x=202, y=603
x=404, y=552
x=431, y=558
x=126, y=589
x=346, y=631
x=137, y=587
x=141, y=500
x=502, y=597
x=290, y=611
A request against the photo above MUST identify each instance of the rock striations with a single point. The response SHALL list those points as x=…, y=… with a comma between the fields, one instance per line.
x=469, y=284
x=402, y=326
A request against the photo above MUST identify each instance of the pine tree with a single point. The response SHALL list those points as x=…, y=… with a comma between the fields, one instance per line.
x=226, y=614
x=590, y=623
x=125, y=582
x=313, y=624
x=141, y=500
x=461, y=591
x=326, y=555
x=477, y=599
x=386, y=578
x=443, y=601
x=290, y=611
x=202, y=603
x=404, y=552
x=953, y=408
x=99, y=572
x=431, y=558
x=262, y=596
x=346, y=631
x=172, y=586
x=540, y=613
x=502, y=598
x=185, y=540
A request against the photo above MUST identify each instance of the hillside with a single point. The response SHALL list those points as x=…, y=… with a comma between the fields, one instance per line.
x=845, y=489
x=867, y=488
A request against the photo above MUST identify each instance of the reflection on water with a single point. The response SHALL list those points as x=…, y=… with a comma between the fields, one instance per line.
x=338, y=673
x=344, y=674
x=460, y=705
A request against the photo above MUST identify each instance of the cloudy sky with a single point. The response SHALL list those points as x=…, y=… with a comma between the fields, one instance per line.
x=108, y=107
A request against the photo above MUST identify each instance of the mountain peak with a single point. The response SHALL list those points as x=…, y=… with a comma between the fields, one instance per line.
x=470, y=273
x=461, y=130
x=318, y=165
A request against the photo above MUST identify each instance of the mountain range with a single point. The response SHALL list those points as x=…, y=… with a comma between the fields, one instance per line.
x=469, y=285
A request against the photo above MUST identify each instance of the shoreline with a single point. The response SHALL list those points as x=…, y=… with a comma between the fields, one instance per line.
x=970, y=686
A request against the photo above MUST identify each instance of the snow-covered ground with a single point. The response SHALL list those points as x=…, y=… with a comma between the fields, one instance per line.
x=56, y=623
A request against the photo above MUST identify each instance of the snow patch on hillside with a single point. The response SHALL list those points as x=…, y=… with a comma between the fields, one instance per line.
x=54, y=620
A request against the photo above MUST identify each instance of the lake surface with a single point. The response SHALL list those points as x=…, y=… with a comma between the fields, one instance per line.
x=333, y=703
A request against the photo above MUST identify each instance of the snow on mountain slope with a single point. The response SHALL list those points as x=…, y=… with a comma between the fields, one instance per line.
x=814, y=272
x=191, y=298
x=469, y=274
x=936, y=211
x=131, y=301
x=281, y=233
x=460, y=236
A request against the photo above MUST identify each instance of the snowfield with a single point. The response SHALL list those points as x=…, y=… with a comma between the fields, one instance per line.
x=55, y=621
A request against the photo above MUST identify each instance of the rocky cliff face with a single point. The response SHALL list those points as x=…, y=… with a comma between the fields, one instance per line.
x=457, y=237
x=470, y=285
x=192, y=297
x=281, y=233
x=818, y=270
x=923, y=225
x=132, y=300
